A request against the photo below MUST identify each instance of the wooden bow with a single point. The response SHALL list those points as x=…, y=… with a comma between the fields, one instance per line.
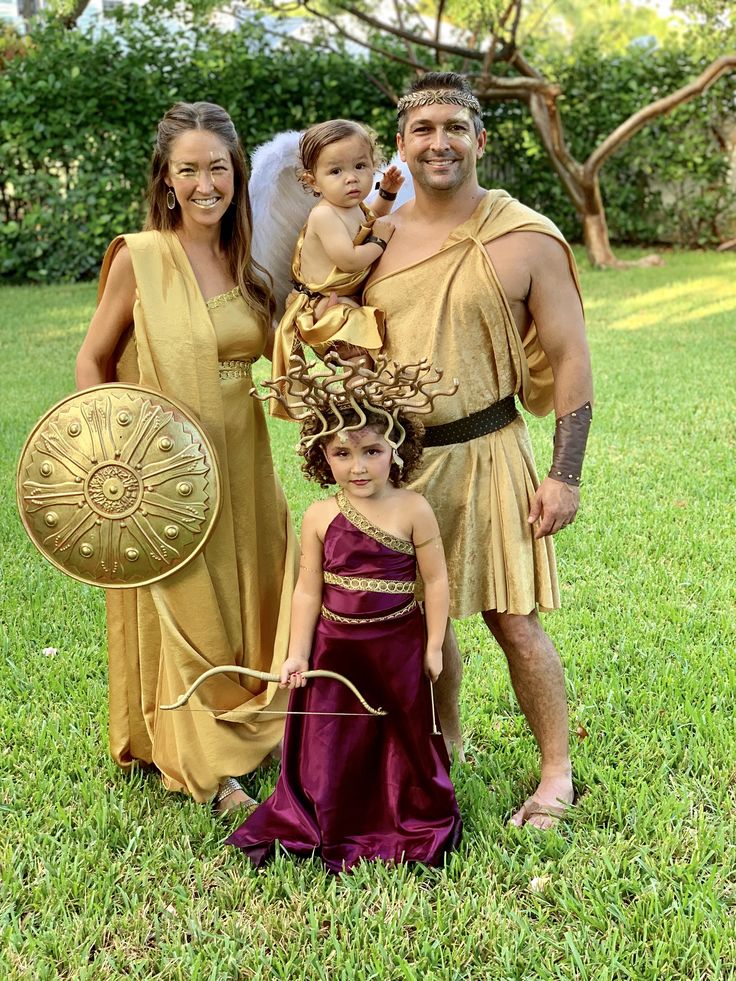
x=265, y=676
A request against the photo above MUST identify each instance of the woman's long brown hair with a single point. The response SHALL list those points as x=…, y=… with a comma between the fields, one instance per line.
x=235, y=229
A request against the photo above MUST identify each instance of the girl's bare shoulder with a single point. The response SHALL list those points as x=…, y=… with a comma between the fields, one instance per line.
x=319, y=514
x=323, y=216
x=410, y=499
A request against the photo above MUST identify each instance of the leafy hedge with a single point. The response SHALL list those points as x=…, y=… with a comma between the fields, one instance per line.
x=78, y=114
x=78, y=110
x=669, y=183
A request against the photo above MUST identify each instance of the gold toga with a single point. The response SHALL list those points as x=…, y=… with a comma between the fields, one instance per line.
x=450, y=308
x=231, y=604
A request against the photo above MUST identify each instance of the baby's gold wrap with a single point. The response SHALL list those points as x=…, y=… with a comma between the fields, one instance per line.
x=359, y=326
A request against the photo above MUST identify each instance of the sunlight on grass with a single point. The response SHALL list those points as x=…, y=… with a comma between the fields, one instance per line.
x=106, y=875
x=682, y=303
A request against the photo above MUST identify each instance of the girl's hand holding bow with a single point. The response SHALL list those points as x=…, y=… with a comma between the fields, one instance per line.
x=433, y=663
x=290, y=675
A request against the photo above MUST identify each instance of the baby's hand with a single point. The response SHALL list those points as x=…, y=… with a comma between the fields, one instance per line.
x=392, y=179
x=383, y=228
x=290, y=675
x=433, y=663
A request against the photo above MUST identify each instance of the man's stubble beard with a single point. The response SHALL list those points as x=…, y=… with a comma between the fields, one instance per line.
x=464, y=174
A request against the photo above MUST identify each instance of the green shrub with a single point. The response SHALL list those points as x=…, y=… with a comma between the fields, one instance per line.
x=78, y=110
x=78, y=115
x=669, y=183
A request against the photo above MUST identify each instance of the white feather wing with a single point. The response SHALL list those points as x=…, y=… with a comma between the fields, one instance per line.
x=280, y=208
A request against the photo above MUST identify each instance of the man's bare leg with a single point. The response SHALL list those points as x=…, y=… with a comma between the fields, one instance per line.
x=447, y=693
x=539, y=684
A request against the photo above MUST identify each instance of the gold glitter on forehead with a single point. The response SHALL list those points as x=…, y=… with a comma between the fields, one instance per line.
x=433, y=97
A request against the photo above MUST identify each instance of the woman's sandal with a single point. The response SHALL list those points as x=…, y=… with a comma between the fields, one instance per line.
x=227, y=788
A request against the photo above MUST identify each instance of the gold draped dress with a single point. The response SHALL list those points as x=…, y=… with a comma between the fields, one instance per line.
x=362, y=326
x=231, y=603
x=451, y=309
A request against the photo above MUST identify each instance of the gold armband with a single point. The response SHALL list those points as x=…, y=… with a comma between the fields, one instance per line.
x=437, y=538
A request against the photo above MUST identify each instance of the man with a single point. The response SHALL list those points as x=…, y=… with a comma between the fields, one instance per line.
x=486, y=289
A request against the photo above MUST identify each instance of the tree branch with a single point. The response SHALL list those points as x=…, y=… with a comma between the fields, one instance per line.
x=639, y=120
x=438, y=24
x=547, y=120
x=490, y=55
x=390, y=55
x=419, y=39
x=70, y=20
x=407, y=46
x=495, y=88
x=519, y=62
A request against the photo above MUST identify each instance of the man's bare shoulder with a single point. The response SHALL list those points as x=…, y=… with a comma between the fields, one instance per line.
x=402, y=216
x=519, y=257
x=531, y=245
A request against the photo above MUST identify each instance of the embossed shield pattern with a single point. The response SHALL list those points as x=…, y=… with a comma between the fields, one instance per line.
x=118, y=486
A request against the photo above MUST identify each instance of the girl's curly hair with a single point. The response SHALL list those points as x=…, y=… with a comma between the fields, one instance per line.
x=317, y=468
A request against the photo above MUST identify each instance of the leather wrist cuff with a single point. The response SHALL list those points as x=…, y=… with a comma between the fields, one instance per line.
x=386, y=195
x=376, y=241
x=571, y=435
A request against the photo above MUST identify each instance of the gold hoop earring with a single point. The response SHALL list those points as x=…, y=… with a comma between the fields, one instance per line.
x=170, y=199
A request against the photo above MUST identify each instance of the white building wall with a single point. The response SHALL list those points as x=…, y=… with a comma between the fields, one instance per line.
x=10, y=10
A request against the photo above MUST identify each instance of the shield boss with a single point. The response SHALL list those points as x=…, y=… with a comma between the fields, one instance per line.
x=118, y=486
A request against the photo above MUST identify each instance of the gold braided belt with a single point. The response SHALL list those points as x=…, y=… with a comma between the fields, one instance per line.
x=393, y=615
x=363, y=584
x=236, y=368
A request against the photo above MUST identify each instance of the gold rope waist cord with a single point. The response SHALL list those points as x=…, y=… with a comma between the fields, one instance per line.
x=394, y=615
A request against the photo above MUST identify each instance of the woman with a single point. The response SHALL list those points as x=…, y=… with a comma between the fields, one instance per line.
x=184, y=310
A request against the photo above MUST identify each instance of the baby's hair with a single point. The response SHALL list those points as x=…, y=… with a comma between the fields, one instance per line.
x=318, y=137
x=317, y=468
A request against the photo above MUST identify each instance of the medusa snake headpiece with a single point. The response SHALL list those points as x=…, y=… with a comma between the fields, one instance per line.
x=330, y=389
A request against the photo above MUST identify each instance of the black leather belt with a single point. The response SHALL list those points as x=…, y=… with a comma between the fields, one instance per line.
x=480, y=423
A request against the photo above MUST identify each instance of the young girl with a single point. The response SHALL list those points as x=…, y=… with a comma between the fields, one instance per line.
x=353, y=786
x=338, y=245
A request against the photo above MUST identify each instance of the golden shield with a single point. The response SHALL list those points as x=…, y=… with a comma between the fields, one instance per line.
x=118, y=486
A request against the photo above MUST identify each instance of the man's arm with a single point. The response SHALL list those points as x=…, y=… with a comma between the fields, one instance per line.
x=554, y=304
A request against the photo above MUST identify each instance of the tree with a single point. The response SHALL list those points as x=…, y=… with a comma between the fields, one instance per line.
x=490, y=53
x=68, y=12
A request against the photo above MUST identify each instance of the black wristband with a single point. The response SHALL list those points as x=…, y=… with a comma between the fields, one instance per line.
x=386, y=195
x=376, y=241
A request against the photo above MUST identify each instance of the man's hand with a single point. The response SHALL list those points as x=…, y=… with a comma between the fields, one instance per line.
x=554, y=507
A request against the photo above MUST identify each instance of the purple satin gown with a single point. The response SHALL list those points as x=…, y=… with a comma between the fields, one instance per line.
x=361, y=786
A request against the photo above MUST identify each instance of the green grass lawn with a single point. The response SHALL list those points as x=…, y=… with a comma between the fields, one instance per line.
x=104, y=876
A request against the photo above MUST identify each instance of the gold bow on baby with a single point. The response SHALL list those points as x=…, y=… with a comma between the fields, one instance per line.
x=265, y=676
